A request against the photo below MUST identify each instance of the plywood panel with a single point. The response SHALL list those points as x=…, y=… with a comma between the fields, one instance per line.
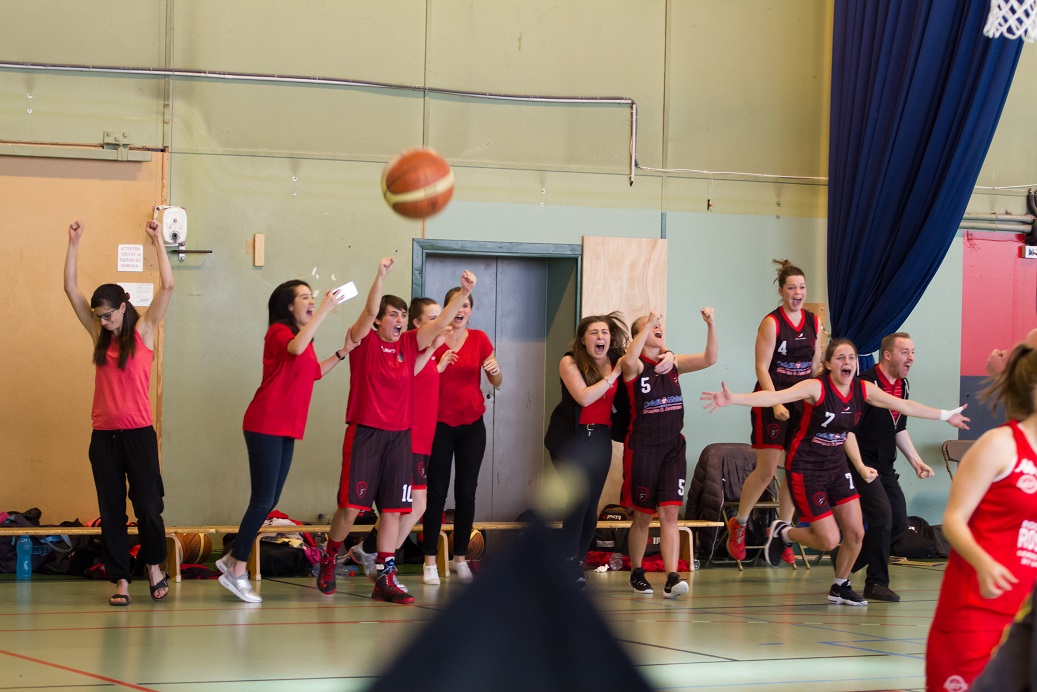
x=47, y=387
x=628, y=275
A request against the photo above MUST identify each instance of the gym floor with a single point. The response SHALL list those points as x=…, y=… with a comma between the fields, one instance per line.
x=755, y=630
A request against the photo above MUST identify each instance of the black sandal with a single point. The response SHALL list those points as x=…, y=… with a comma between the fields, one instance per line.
x=119, y=599
x=162, y=584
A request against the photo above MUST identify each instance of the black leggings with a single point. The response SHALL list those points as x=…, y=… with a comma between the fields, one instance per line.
x=590, y=454
x=464, y=444
x=118, y=456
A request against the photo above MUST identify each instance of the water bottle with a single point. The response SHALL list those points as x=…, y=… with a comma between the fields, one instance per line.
x=616, y=561
x=24, y=552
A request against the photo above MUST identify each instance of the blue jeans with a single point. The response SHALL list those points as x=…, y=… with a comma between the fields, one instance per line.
x=269, y=459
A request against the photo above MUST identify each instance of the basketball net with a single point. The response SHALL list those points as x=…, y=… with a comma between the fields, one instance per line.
x=1012, y=19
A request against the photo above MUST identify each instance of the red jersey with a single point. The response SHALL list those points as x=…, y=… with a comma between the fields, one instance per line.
x=426, y=404
x=460, y=394
x=1005, y=524
x=793, y=355
x=818, y=442
x=121, y=400
x=282, y=402
x=600, y=412
x=381, y=388
x=656, y=408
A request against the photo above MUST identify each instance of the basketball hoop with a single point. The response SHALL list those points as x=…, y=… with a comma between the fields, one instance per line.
x=1012, y=19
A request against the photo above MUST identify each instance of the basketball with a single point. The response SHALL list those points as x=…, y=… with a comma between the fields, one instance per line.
x=417, y=183
x=476, y=545
x=195, y=547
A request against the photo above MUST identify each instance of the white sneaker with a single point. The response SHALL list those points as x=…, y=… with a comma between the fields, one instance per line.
x=240, y=587
x=364, y=559
x=222, y=565
x=464, y=573
x=431, y=575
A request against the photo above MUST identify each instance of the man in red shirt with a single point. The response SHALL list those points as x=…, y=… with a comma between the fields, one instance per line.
x=376, y=452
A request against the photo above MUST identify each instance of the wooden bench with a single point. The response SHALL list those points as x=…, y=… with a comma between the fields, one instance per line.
x=684, y=526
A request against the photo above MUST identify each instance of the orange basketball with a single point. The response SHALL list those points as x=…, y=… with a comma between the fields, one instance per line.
x=195, y=547
x=417, y=183
x=476, y=545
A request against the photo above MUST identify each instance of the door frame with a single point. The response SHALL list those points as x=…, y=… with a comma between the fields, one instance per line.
x=423, y=247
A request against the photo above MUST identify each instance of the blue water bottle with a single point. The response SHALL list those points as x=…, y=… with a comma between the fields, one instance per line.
x=24, y=553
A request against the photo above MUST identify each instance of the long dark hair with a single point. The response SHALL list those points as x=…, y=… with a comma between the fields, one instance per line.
x=417, y=309
x=115, y=296
x=282, y=297
x=618, y=341
x=1015, y=385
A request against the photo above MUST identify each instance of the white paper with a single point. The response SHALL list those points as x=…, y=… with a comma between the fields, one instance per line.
x=345, y=292
x=131, y=258
x=140, y=294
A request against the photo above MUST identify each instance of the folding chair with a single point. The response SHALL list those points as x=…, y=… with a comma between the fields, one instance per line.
x=954, y=450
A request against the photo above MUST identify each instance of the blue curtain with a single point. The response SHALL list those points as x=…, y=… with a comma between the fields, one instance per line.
x=917, y=91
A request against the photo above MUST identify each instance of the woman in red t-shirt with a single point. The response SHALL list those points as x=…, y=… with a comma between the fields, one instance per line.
x=991, y=523
x=124, y=447
x=460, y=434
x=579, y=435
x=276, y=418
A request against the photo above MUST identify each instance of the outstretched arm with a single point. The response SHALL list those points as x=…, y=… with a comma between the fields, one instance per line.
x=160, y=301
x=366, y=320
x=80, y=304
x=430, y=330
x=876, y=397
x=701, y=361
x=806, y=390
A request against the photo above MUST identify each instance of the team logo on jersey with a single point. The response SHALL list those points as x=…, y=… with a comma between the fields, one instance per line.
x=642, y=494
x=361, y=489
x=820, y=499
x=955, y=683
x=421, y=469
x=1026, y=466
x=772, y=431
x=1028, y=484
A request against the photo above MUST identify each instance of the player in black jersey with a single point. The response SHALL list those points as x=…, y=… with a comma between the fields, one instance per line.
x=787, y=352
x=655, y=464
x=822, y=487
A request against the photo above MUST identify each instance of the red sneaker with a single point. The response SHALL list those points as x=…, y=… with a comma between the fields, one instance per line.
x=326, y=574
x=735, y=539
x=787, y=556
x=386, y=588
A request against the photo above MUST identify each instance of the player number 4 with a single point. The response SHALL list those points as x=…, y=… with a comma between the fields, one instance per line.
x=783, y=349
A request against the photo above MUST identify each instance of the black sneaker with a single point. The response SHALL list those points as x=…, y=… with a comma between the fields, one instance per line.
x=878, y=592
x=675, y=586
x=842, y=594
x=574, y=567
x=638, y=582
x=774, y=547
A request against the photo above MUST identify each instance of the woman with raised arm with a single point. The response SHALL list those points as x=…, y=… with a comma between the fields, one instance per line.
x=991, y=523
x=276, y=418
x=787, y=351
x=460, y=439
x=123, y=446
x=820, y=483
x=579, y=434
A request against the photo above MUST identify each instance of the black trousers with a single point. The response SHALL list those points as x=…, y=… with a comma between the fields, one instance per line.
x=590, y=454
x=885, y=520
x=118, y=457
x=463, y=446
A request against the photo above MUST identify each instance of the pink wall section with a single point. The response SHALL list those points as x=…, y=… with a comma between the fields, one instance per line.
x=998, y=297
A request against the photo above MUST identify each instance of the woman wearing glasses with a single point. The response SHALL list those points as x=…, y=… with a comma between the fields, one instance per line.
x=123, y=446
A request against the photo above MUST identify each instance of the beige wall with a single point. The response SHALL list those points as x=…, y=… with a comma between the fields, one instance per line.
x=721, y=85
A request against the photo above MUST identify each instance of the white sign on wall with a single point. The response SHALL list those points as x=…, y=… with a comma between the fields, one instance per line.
x=131, y=258
x=140, y=294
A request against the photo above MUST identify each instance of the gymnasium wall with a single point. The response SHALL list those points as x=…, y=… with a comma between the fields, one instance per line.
x=721, y=85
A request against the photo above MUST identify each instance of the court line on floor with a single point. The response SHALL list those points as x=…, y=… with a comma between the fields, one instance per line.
x=121, y=683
